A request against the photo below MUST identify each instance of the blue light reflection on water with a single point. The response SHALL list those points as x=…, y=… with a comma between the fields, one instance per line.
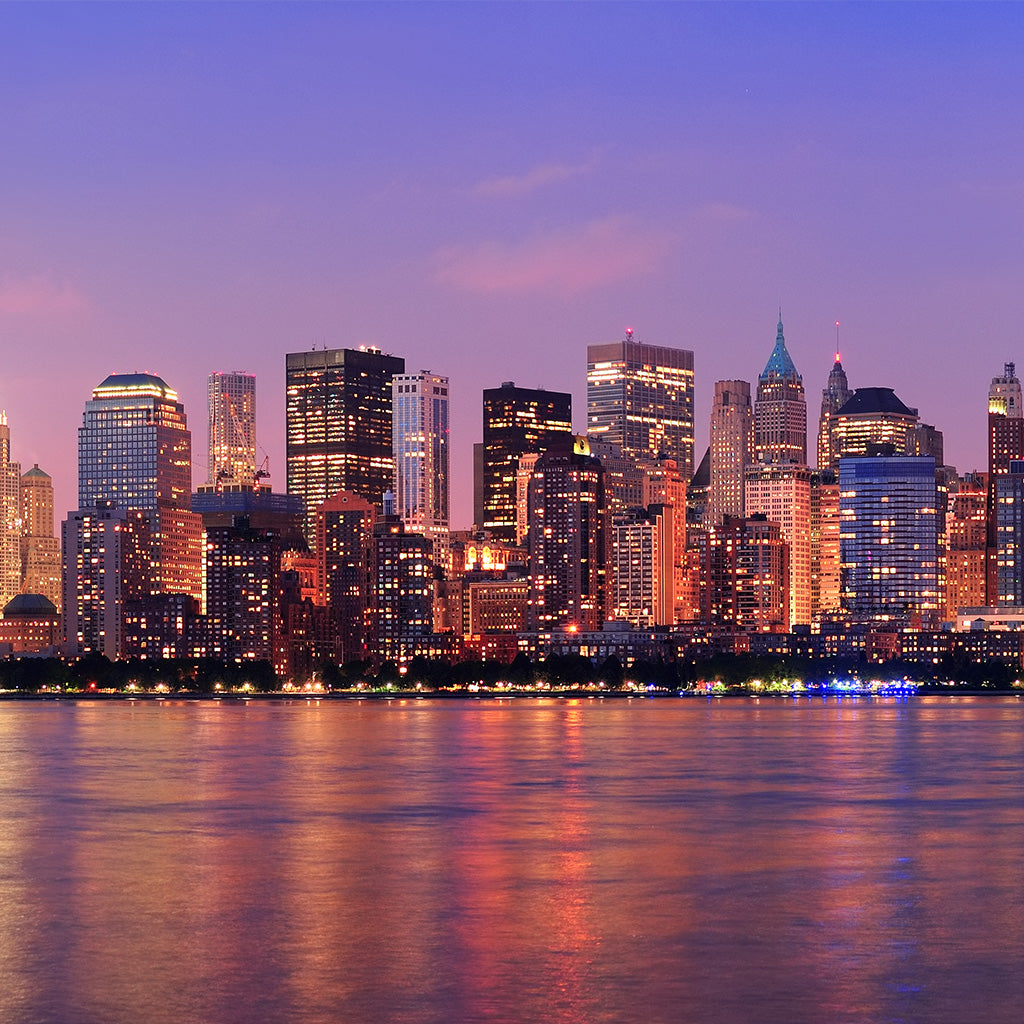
x=818, y=860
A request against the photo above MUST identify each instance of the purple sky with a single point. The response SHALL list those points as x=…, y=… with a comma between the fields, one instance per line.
x=486, y=189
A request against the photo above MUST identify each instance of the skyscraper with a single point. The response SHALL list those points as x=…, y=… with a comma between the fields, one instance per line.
x=731, y=447
x=135, y=452
x=231, y=400
x=10, y=518
x=780, y=410
x=339, y=425
x=1005, y=445
x=889, y=536
x=517, y=421
x=640, y=398
x=870, y=417
x=40, y=548
x=568, y=539
x=420, y=443
x=834, y=396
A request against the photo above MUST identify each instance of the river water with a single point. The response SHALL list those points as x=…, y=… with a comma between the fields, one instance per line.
x=512, y=861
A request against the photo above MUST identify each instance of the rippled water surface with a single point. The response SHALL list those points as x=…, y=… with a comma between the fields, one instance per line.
x=527, y=861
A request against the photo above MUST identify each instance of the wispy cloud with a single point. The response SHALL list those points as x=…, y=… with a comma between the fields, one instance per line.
x=563, y=262
x=536, y=178
x=40, y=296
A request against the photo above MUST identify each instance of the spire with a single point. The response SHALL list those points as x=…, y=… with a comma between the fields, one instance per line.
x=779, y=362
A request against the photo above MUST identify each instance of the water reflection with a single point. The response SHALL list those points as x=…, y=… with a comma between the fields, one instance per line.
x=576, y=861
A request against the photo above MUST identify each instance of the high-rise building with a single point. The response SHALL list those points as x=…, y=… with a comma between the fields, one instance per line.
x=106, y=554
x=746, y=571
x=516, y=421
x=782, y=493
x=889, y=537
x=10, y=518
x=135, y=452
x=731, y=447
x=640, y=398
x=420, y=443
x=643, y=567
x=231, y=400
x=1005, y=445
x=40, y=548
x=834, y=396
x=344, y=551
x=825, y=561
x=966, y=537
x=401, y=587
x=1009, y=502
x=568, y=539
x=873, y=416
x=780, y=409
x=339, y=425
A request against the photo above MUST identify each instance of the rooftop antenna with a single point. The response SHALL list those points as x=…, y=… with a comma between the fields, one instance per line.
x=837, y=341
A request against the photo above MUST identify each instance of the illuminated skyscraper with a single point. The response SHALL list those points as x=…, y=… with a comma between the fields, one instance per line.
x=1005, y=445
x=731, y=447
x=339, y=425
x=780, y=410
x=135, y=452
x=825, y=562
x=640, y=398
x=517, y=421
x=966, y=536
x=835, y=395
x=889, y=537
x=870, y=417
x=568, y=539
x=40, y=548
x=231, y=399
x=783, y=494
x=420, y=443
x=10, y=518
x=643, y=566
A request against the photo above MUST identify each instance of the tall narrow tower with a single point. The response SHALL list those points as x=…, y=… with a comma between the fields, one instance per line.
x=420, y=443
x=780, y=410
x=10, y=517
x=640, y=398
x=339, y=425
x=833, y=397
x=231, y=400
x=40, y=548
x=732, y=448
x=1005, y=445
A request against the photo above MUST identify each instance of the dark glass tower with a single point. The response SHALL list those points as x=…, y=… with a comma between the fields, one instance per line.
x=338, y=425
x=517, y=421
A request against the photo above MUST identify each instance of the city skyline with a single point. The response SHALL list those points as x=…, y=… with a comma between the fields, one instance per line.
x=479, y=190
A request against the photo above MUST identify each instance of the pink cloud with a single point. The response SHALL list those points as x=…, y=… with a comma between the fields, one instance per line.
x=562, y=262
x=523, y=184
x=39, y=296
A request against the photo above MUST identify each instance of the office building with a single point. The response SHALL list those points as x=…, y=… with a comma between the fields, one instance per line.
x=401, y=592
x=517, y=421
x=745, y=568
x=1005, y=445
x=640, y=398
x=834, y=396
x=966, y=542
x=10, y=518
x=872, y=416
x=825, y=558
x=40, y=548
x=231, y=402
x=780, y=409
x=135, y=452
x=420, y=444
x=568, y=539
x=782, y=493
x=889, y=537
x=643, y=566
x=338, y=417
x=731, y=448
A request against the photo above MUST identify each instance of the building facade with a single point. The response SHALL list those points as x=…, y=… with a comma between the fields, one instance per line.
x=780, y=409
x=231, y=404
x=40, y=548
x=640, y=398
x=889, y=537
x=517, y=421
x=731, y=447
x=420, y=444
x=834, y=396
x=10, y=518
x=338, y=420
